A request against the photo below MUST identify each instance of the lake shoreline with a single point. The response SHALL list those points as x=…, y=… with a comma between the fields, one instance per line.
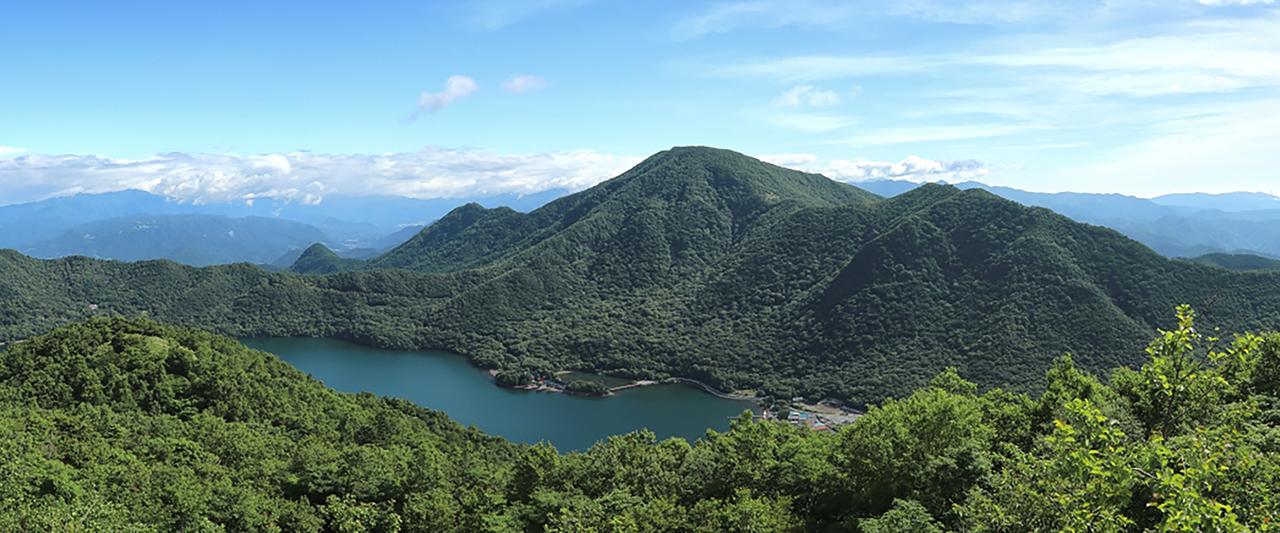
x=613, y=391
x=688, y=382
x=447, y=382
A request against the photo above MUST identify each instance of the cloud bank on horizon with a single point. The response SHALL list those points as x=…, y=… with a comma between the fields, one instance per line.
x=432, y=172
x=1126, y=96
x=307, y=178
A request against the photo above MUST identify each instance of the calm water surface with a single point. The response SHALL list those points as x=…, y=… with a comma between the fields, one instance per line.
x=448, y=383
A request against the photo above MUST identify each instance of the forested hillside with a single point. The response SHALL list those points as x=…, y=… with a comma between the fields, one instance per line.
x=1237, y=261
x=1175, y=225
x=707, y=264
x=126, y=425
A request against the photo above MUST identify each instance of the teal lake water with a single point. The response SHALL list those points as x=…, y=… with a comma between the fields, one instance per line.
x=447, y=382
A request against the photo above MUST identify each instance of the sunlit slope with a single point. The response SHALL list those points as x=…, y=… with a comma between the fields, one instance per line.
x=689, y=203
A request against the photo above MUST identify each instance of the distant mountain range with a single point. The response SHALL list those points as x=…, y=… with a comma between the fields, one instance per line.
x=191, y=239
x=1175, y=225
x=707, y=264
x=135, y=225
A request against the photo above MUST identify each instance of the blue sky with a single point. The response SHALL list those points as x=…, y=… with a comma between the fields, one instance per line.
x=292, y=101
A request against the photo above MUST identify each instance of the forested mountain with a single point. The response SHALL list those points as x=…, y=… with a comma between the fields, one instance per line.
x=1237, y=261
x=689, y=204
x=707, y=264
x=197, y=240
x=126, y=425
x=1174, y=225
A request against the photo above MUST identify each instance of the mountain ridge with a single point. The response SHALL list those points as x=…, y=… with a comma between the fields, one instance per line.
x=687, y=267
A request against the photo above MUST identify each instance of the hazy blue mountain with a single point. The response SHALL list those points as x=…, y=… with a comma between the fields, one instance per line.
x=887, y=188
x=1232, y=201
x=38, y=221
x=1175, y=225
x=392, y=212
x=191, y=239
x=350, y=221
x=396, y=239
x=1188, y=236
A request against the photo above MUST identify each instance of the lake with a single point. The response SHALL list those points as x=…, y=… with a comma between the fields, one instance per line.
x=447, y=382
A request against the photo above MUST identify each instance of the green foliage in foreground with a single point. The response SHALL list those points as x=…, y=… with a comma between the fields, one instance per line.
x=126, y=425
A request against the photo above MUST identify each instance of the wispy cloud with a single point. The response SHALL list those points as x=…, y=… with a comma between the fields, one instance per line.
x=497, y=14
x=455, y=88
x=807, y=95
x=825, y=67
x=522, y=83
x=1204, y=58
x=935, y=133
x=724, y=17
x=1236, y=2
x=913, y=168
x=9, y=150
x=1232, y=148
x=305, y=177
x=809, y=122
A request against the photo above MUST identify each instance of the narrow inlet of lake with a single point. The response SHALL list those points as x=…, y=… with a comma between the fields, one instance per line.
x=447, y=382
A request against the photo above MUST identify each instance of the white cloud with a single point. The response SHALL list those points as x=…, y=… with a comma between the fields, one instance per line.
x=519, y=84
x=807, y=95
x=789, y=160
x=913, y=168
x=432, y=172
x=455, y=88
x=9, y=150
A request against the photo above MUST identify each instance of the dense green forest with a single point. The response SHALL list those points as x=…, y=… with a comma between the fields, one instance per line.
x=1237, y=261
x=127, y=425
x=706, y=264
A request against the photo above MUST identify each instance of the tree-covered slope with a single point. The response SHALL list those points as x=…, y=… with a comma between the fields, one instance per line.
x=1237, y=261
x=707, y=264
x=126, y=425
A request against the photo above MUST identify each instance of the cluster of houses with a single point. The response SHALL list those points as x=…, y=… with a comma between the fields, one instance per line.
x=809, y=420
